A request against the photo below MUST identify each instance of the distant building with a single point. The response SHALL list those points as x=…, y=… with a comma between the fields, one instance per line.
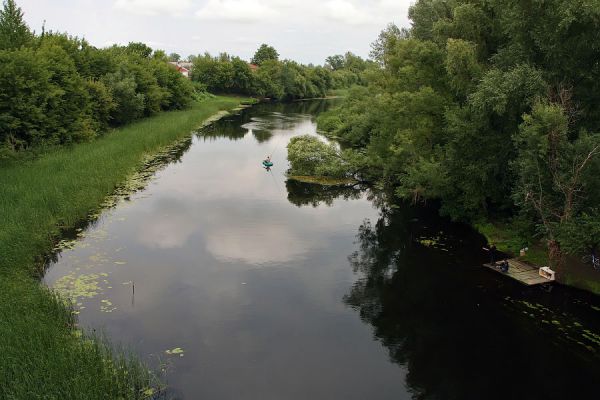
x=253, y=67
x=184, y=67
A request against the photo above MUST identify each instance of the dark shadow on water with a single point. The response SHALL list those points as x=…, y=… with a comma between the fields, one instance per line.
x=461, y=333
x=228, y=127
x=307, y=194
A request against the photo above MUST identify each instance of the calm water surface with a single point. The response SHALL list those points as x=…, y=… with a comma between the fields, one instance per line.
x=281, y=290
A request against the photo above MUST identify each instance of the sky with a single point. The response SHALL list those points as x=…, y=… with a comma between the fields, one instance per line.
x=303, y=30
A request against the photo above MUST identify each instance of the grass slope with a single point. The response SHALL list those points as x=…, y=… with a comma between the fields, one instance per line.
x=42, y=356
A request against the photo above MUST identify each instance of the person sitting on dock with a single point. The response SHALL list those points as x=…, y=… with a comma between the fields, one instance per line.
x=504, y=265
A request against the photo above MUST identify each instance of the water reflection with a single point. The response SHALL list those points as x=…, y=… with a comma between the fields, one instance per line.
x=268, y=120
x=458, y=338
x=305, y=194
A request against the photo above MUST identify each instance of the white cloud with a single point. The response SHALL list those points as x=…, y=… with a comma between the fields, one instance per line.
x=303, y=30
x=237, y=11
x=154, y=7
x=346, y=12
x=271, y=244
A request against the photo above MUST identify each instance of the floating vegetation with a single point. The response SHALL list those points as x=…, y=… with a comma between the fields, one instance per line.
x=427, y=242
x=570, y=329
x=65, y=244
x=120, y=262
x=435, y=242
x=176, y=351
x=78, y=287
x=107, y=306
x=97, y=258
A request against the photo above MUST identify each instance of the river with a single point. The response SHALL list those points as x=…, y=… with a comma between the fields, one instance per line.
x=243, y=285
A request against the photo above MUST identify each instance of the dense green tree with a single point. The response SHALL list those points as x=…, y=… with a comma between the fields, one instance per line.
x=25, y=94
x=462, y=66
x=140, y=49
x=14, y=33
x=268, y=80
x=386, y=41
x=177, y=92
x=67, y=109
x=460, y=108
x=265, y=53
x=551, y=170
x=174, y=57
x=102, y=107
x=335, y=62
x=581, y=234
x=129, y=103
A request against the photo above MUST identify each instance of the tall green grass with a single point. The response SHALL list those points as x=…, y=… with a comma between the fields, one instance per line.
x=41, y=355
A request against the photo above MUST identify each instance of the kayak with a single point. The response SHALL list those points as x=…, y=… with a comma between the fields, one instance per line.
x=267, y=163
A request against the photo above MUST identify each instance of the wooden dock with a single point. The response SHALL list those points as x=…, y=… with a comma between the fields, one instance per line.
x=525, y=273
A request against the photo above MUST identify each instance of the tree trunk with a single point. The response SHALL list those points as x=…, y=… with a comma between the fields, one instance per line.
x=555, y=256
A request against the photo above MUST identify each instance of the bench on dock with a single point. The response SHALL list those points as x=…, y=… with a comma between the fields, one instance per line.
x=525, y=273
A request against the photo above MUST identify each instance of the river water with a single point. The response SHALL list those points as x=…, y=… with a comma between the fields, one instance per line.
x=243, y=285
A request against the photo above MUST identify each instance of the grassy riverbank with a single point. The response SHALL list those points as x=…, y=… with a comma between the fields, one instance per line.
x=42, y=355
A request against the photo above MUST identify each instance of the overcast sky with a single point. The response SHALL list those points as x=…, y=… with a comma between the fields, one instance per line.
x=303, y=30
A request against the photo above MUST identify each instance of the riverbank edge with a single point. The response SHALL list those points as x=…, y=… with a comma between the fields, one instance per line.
x=43, y=352
x=323, y=180
x=507, y=240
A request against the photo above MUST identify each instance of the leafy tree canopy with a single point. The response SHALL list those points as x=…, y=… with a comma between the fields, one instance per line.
x=14, y=33
x=265, y=53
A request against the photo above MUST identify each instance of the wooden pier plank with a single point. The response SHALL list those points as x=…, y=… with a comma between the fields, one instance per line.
x=522, y=272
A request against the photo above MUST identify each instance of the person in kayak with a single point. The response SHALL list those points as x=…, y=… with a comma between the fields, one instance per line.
x=268, y=160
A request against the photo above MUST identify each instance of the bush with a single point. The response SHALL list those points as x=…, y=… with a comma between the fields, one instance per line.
x=309, y=156
x=329, y=122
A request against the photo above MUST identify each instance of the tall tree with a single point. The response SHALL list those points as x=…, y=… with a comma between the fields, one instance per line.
x=386, y=41
x=552, y=171
x=14, y=33
x=335, y=62
x=264, y=53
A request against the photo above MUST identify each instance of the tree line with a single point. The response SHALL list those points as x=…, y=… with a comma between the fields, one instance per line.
x=268, y=77
x=58, y=89
x=487, y=106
